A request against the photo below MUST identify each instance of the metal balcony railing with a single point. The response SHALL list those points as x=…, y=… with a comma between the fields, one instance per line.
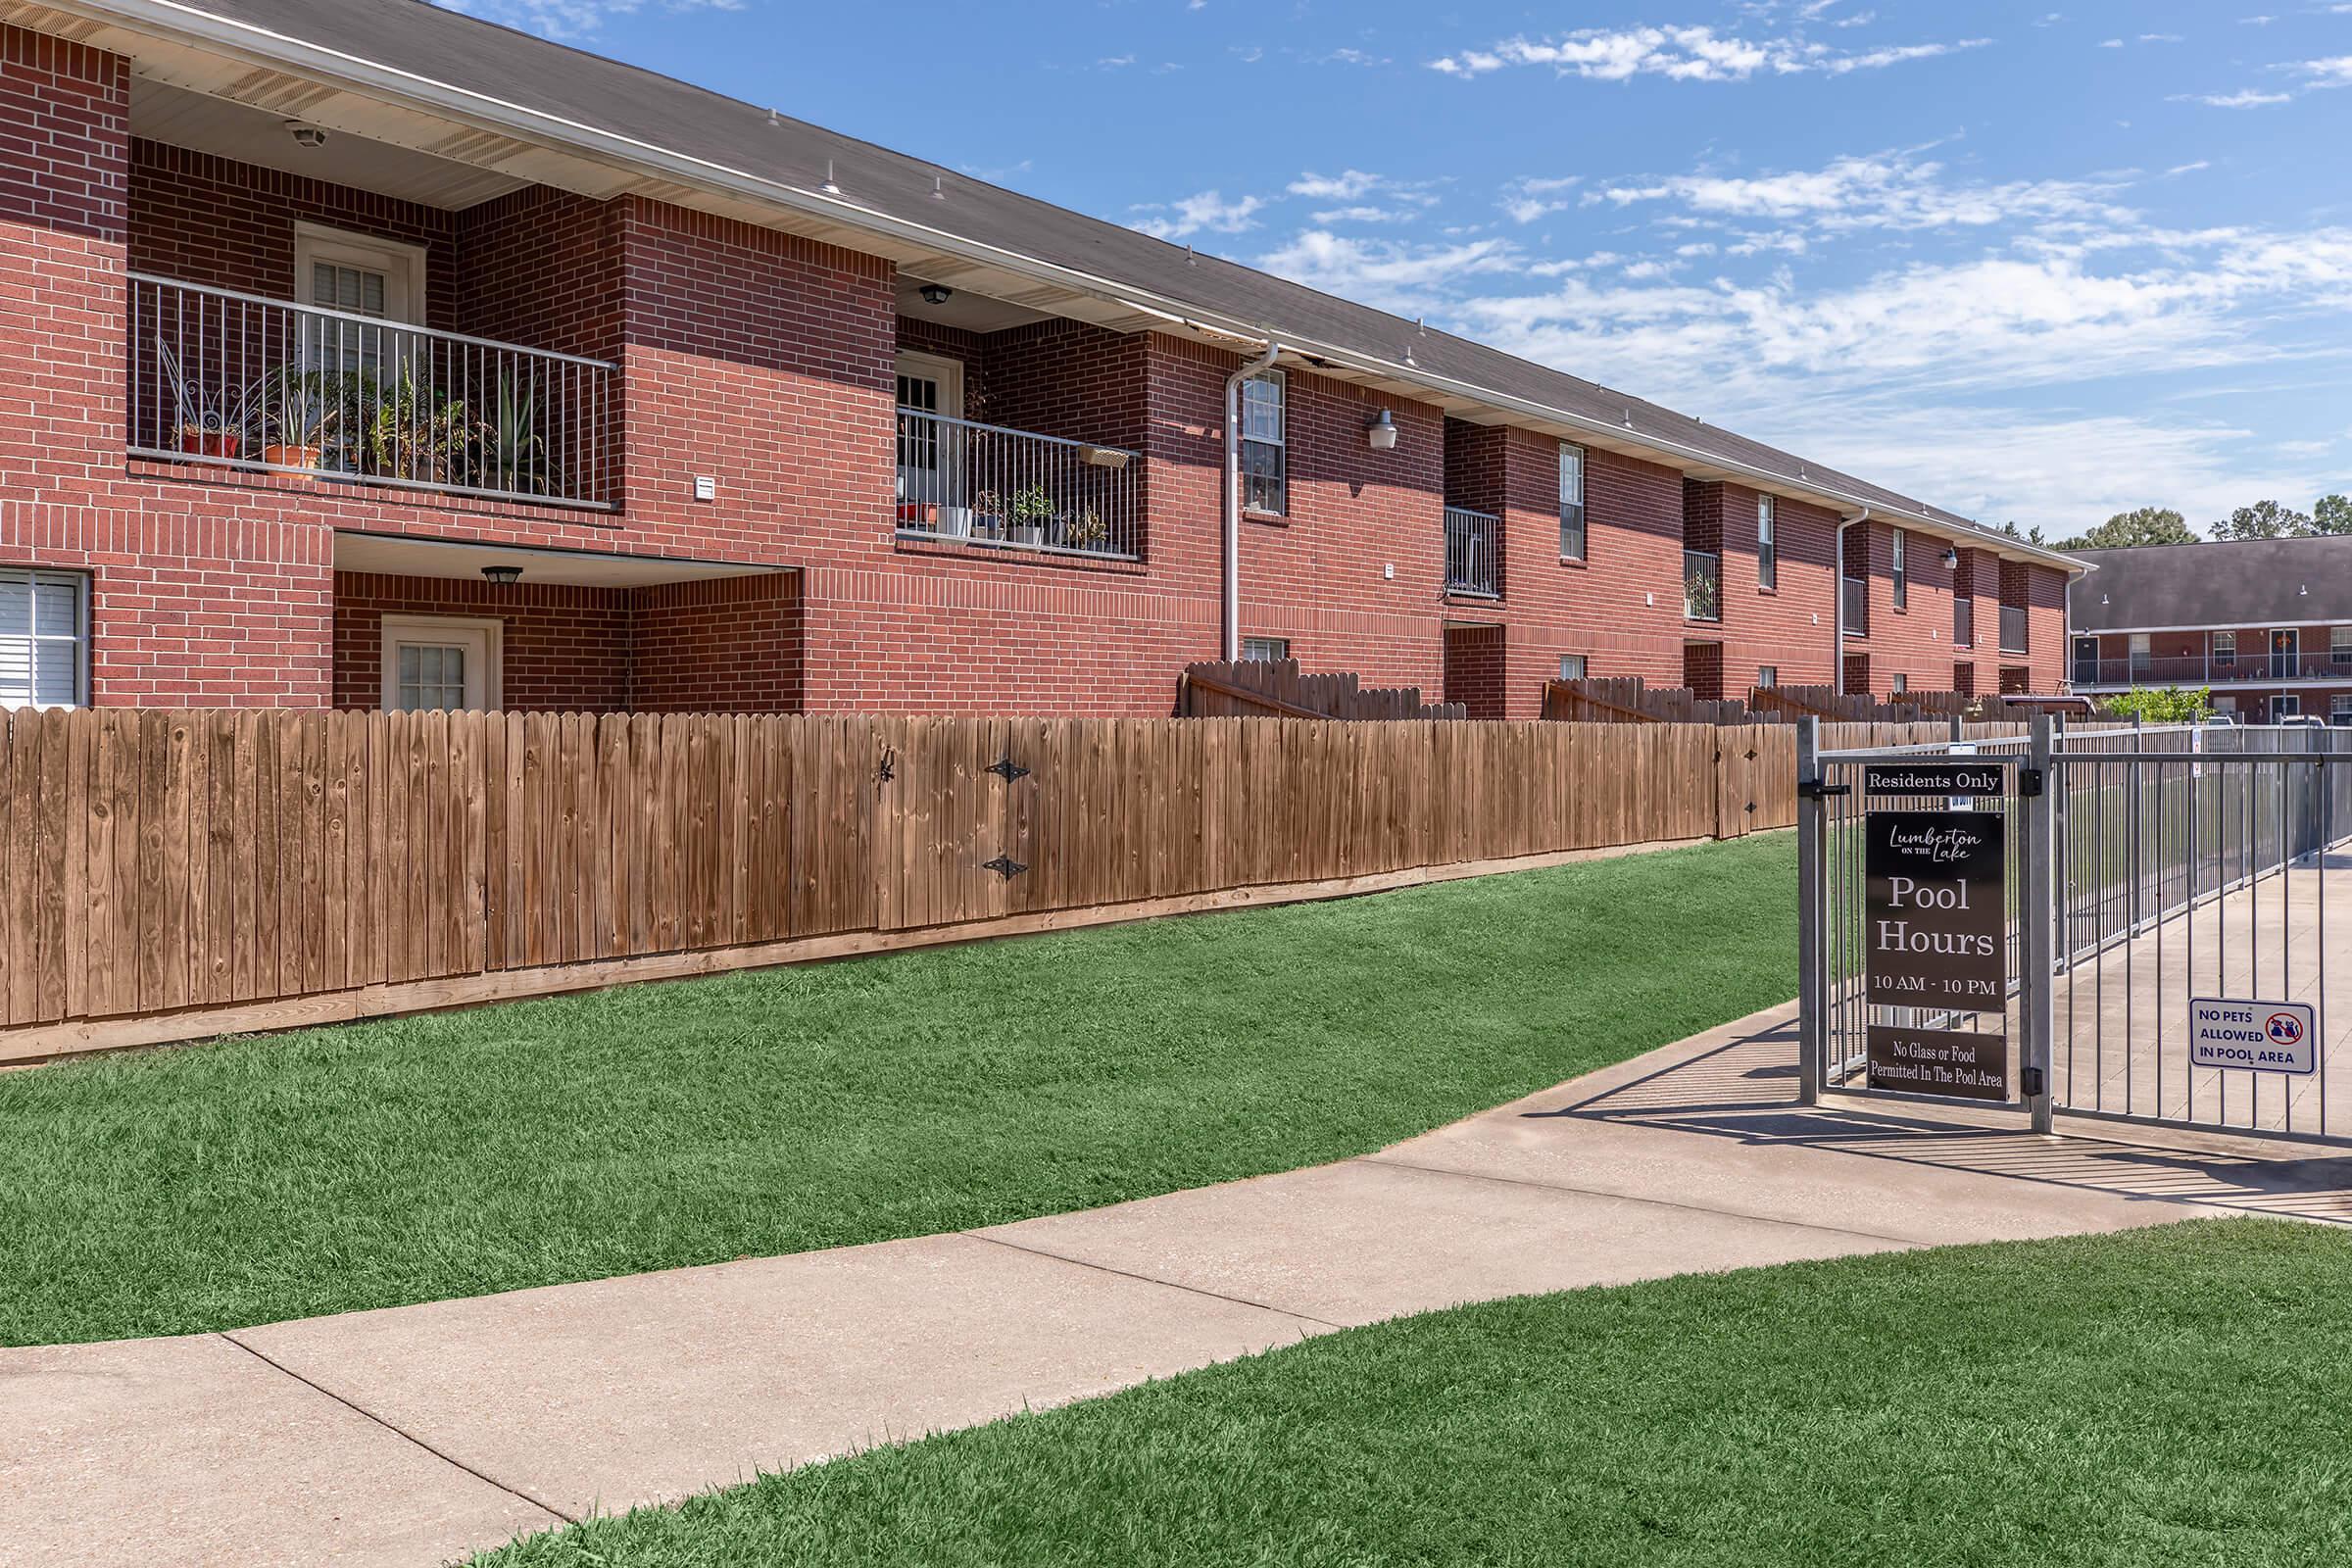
x=1702, y=585
x=2013, y=628
x=1857, y=607
x=1964, y=623
x=983, y=485
x=2250, y=667
x=239, y=381
x=1470, y=545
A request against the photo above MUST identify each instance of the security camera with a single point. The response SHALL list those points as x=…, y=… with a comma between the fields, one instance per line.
x=306, y=135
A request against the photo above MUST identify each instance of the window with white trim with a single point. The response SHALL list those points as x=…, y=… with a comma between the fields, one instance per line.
x=2142, y=658
x=1256, y=650
x=1572, y=503
x=45, y=638
x=1902, y=683
x=2288, y=706
x=1265, y=478
x=1768, y=558
x=436, y=663
x=357, y=274
x=2225, y=648
x=1768, y=676
x=1571, y=666
x=2339, y=645
x=1902, y=583
x=2340, y=707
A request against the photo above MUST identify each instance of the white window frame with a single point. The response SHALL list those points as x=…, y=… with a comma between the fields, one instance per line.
x=1264, y=650
x=1768, y=676
x=1900, y=576
x=1768, y=544
x=2286, y=705
x=1580, y=661
x=491, y=630
x=2225, y=648
x=1573, y=511
x=2340, y=702
x=1278, y=443
x=2339, y=645
x=2140, y=652
x=948, y=373
x=77, y=584
x=402, y=263
x=1902, y=683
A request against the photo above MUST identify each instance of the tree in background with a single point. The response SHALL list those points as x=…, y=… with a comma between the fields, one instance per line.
x=2173, y=705
x=2264, y=519
x=2146, y=525
x=2331, y=514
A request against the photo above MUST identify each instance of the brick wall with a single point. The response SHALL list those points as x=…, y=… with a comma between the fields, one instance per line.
x=729, y=645
x=1474, y=669
x=564, y=647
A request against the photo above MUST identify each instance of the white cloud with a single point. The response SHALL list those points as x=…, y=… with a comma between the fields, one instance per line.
x=1351, y=57
x=2248, y=98
x=1883, y=190
x=2111, y=43
x=1694, y=53
x=2160, y=37
x=1114, y=62
x=572, y=19
x=2256, y=22
x=1343, y=186
x=1531, y=197
x=2187, y=168
x=1206, y=210
x=2331, y=72
x=1393, y=275
x=1366, y=214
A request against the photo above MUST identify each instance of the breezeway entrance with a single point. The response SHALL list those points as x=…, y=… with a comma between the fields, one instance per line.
x=2145, y=933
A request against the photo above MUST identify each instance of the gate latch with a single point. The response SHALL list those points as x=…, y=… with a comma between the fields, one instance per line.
x=1813, y=789
x=2028, y=781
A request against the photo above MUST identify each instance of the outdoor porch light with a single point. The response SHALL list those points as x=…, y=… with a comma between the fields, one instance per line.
x=503, y=576
x=1382, y=431
x=936, y=293
x=1951, y=558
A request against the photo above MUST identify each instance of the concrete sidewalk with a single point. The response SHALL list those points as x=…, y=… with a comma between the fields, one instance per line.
x=413, y=1435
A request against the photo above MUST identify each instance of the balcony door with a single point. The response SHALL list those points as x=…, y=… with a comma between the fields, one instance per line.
x=2285, y=647
x=931, y=452
x=2086, y=660
x=357, y=274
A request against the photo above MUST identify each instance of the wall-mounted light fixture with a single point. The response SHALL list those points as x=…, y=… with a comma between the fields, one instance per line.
x=937, y=293
x=1951, y=558
x=503, y=576
x=1381, y=433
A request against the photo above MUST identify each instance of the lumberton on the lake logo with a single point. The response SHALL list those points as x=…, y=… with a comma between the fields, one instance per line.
x=1938, y=845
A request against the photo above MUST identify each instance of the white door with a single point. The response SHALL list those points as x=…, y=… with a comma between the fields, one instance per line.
x=431, y=665
x=932, y=452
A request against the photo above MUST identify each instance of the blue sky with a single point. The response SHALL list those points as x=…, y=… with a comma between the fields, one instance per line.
x=2029, y=262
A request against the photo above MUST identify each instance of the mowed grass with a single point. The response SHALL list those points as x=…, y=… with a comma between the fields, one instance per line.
x=2171, y=1395
x=576, y=1137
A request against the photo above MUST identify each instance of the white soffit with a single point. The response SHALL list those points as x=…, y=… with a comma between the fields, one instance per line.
x=397, y=556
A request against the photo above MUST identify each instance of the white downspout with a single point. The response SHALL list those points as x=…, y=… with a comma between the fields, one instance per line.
x=1231, y=588
x=1838, y=608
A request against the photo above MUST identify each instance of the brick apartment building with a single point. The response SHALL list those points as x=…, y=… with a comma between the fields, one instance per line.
x=2266, y=624
x=362, y=353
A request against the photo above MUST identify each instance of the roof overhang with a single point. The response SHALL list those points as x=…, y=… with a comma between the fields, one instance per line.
x=465, y=560
x=205, y=52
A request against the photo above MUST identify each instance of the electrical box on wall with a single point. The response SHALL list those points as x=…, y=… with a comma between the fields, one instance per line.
x=706, y=488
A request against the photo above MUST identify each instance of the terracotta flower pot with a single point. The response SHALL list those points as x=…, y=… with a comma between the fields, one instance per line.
x=286, y=457
x=210, y=443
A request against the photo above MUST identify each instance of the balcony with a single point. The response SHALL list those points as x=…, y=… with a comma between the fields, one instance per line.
x=1702, y=585
x=983, y=485
x=1964, y=623
x=1857, y=607
x=2195, y=669
x=2013, y=628
x=239, y=381
x=1470, y=540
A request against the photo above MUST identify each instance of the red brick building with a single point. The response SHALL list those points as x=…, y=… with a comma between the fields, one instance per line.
x=360, y=353
x=2264, y=624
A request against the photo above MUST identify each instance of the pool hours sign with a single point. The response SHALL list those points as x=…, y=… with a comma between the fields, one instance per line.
x=1935, y=927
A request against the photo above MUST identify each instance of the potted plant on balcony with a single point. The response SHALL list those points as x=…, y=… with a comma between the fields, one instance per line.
x=509, y=453
x=209, y=423
x=413, y=432
x=988, y=515
x=1031, y=509
x=296, y=410
x=1083, y=529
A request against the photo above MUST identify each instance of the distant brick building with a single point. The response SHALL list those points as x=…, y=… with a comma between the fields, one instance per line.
x=2266, y=624
x=506, y=375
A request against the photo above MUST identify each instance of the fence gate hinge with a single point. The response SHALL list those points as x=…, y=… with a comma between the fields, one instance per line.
x=2028, y=781
x=1006, y=769
x=1813, y=789
x=1005, y=866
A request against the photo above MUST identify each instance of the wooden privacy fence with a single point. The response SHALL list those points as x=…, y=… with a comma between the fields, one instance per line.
x=195, y=871
x=1276, y=687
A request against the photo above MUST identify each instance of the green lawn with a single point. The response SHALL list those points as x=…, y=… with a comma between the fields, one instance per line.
x=413, y=1159
x=2174, y=1395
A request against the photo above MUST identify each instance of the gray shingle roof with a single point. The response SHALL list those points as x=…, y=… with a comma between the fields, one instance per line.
x=2257, y=583
x=458, y=51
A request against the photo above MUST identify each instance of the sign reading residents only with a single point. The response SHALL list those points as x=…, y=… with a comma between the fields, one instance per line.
x=1934, y=778
x=2260, y=1036
x=1938, y=1061
x=1935, y=930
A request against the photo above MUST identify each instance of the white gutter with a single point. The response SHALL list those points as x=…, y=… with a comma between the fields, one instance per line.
x=1229, y=584
x=190, y=24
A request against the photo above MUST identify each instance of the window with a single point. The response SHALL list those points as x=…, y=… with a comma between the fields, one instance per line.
x=358, y=275
x=2225, y=648
x=1571, y=666
x=1902, y=683
x=2339, y=645
x=2339, y=708
x=1264, y=649
x=1265, y=481
x=931, y=490
x=44, y=626
x=1768, y=676
x=1902, y=584
x=2287, y=707
x=1767, y=562
x=2141, y=662
x=1572, y=503
x=433, y=663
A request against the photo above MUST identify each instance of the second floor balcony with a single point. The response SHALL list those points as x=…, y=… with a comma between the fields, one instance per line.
x=986, y=484
x=1702, y=585
x=2199, y=669
x=1471, y=539
x=235, y=380
x=1857, y=607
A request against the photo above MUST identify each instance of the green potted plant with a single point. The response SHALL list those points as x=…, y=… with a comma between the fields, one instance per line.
x=1084, y=529
x=509, y=453
x=296, y=410
x=988, y=515
x=413, y=433
x=1031, y=509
